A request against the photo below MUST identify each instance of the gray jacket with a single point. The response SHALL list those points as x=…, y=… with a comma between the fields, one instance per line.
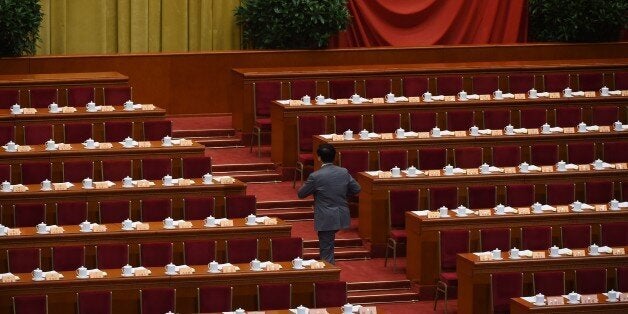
x=330, y=186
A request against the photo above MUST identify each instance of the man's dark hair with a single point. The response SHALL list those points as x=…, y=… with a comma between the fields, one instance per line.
x=326, y=152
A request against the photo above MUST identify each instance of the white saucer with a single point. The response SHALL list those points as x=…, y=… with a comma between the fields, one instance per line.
x=412, y=175
x=82, y=277
x=498, y=214
x=88, y=188
x=208, y=183
x=163, y=145
x=127, y=275
x=50, y=149
x=533, y=97
x=596, y=168
x=460, y=99
x=40, y=279
x=573, y=302
x=95, y=110
x=594, y=254
x=172, y=184
x=127, y=186
x=501, y=98
x=518, y=257
x=125, y=146
x=612, y=301
x=172, y=227
x=10, y=150
x=565, y=96
x=498, y=259
x=130, y=109
x=45, y=232
x=209, y=226
x=128, y=229
x=46, y=190
x=86, y=231
x=539, y=212
x=259, y=269
x=58, y=111
x=426, y=100
x=213, y=272
x=550, y=132
x=513, y=133
x=539, y=304
x=399, y=176
x=298, y=267
x=170, y=274
x=248, y=224
x=577, y=210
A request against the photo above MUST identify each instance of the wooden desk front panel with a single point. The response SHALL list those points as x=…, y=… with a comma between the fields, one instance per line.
x=474, y=279
x=62, y=293
x=373, y=199
x=520, y=306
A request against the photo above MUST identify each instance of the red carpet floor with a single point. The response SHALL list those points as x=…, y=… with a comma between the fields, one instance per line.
x=235, y=155
x=305, y=230
x=280, y=191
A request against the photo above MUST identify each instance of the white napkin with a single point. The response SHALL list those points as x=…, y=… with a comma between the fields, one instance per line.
x=548, y=208
x=140, y=268
x=473, y=96
x=217, y=221
x=579, y=93
x=373, y=173
x=542, y=94
x=507, y=209
x=615, y=92
x=565, y=251
x=495, y=169
x=520, y=131
x=531, y=299
x=374, y=135
x=420, y=212
x=261, y=219
x=309, y=262
x=264, y=264
x=593, y=128
x=623, y=204
x=150, y=183
x=571, y=166
x=177, y=222
x=327, y=136
x=330, y=101
x=284, y=102
x=604, y=165
x=459, y=171
x=411, y=134
x=584, y=206
x=534, y=168
x=446, y=133
x=439, y=97
x=508, y=95
x=556, y=129
x=605, y=249
x=9, y=274
x=485, y=132
x=525, y=253
x=401, y=98
x=52, y=272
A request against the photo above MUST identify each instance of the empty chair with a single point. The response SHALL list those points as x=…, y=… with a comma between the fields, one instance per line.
x=30, y=304
x=590, y=280
x=580, y=153
x=450, y=244
x=386, y=122
x=341, y=88
x=77, y=170
x=520, y=83
x=199, y=252
x=109, y=256
x=485, y=84
x=354, y=161
x=37, y=134
x=7, y=133
x=575, y=236
x=482, y=196
x=532, y=118
x=442, y=196
x=506, y=156
x=240, y=206
x=80, y=96
x=495, y=238
x=414, y=85
x=614, y=233
x=399, y=202
x=590, y=81
x=432, y=158
x=196, y=166
x=448, y=85
x=28, y=214
x=621, y=276
x=423, y=121
x=241, y=250
x=560, y=193
x=549, y=283
x=604, y=115
x=615, y=151
x=198, y=208
x=116, y=169
x=377, y=87
x=23, y=260
x=300, y=88
x=155, y=254
x=598, y=192
x=264, y=92
x=543, y=154
x=459, y=120
x=213, y=299
x=520, y=195
x=468, y=157
x=66, y=258
x=158, y=300
x=94, y=302
x=155, y=209
x=77, y=132
x=5, y=173
x=114, y=211
x=117, y=95
x=496, y=119
x=9, y=97
x=567, y=116
x=536, y=238
x=505, y=286
x=71, y=212
x=274, y=296
x=307, y=126
x=285, y=249
x=387, y=159
x=353, y=122
x=42, y=97
x=157, y=129
x=117, y=131
x=556, y=82
x=35, y=172
x=155, y=168
x=328, y=294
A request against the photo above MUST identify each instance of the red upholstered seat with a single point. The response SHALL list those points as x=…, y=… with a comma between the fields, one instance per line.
x=615, y=151
x=157, y=129
x=155, y=209
x=580, y=153
x=505, y=286
x=300, y=88
x=614, y=233
x=518, y=195
x=556, y=82
x=29, y=214
x=543, y=154
x=116, y=169
x=80, y=96
x=199, y=252
x=307, y=126
x=156, y=168
x=568, y=116
x=354, y=161
x=114, y=211
x=341, y=88
x=536, y=238
x=506, y=156
x=71, y=212
x=330, y=294
x=423, y=121
x=42, y=97
x=468, y=157
x=7, y=133
x=387, y=159
x=35, y=172
x=67, y=258
x=531, y=118
x=37, y=134
x=264, y=92
x=240, y=206
x=23, y=260
x=117, y=95
x=448, y=85
x=77, y=170
x=30, y=304
x=263, y=124
x=9, y=97
x=377, y=87
x=113, y=255
x=274, y=296
x=5, y=173
x=432, y=158
x=198, y=208
x=590, y=81
x=450, y=243
x=94, y=302
x=399, y=236
x=285, y=249
x=155, y=254
x=621, y=278
x=77, y=132
x=241, y=250
x=344, y=122
x=117, y=131
x=439, y=196
x=575, y=236
x=414, y=85
x=604, y=115
x=212, y=299
x=399, y=202
x=495, y=238
x=598, y=192
x=590, y=280
x=482, y=196
x=485, y=84
x=496, y=119
x=158, y=300
x=450, y=279
x=520, y=83
x=196, y=166
x=560, y=193
x=386, y=122
x=459, y=120
x=549, y=283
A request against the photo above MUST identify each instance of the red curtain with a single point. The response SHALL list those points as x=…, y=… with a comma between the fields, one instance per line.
x=434, y=22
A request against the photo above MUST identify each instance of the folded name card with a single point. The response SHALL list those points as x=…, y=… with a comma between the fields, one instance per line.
x=185, y=182
x=433, y=173
x=184, y=225
x=186, y=270
x=485, y=97
x=52, y=276
x=387, y=136
x=14, y=232
x=342, y=101
x=29, y=111
x=378, y=100
x=520, y=96
x=450, y=98
x=601, y=208
x=227, y=180
x=148, y=107
x=538, y=254
x=384, y=175
x=414, y=99
x=105, y=146
x=523, y=211
x=317, y=265
x=9, y=278
x=555, y=301
x=272, y=267
x=270, y=221
x=59, y=186
x=295, y=103
x=144, y=144
x=226, y=223
x=460, y=133
x=485, y=257
x=431, y=215
x=107, y=108
x=621, y=166
x=141, y=272
x=56, y=230
x=337, y=138
x=142, y=226
x=589, y=94
x=424, y=134
x=510, y=170
x=624, y=92
x=497, y=132
x=24, y=148
x=604, y=129
x=20, y=188
x=101, y=185
x=554, y=95
x=569, y=130
x=562, y=209
x=143, y=183
x=184, y=142
x=99, y=228
x=533, y=131
x=473, y=171
x=584, y=167
x=64, y=147
x=576, y=253
x=229, y=269
x=547, y=168
x=619, y=251
x=97, y=274
x=68, y=109
x=484, y=212
x=588, y=298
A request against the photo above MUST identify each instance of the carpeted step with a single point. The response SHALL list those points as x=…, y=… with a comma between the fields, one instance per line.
x=288, y=214
x=218, y=141
x=203, y=133
x=382, y=296
x=285, y=204
x=258, y=166
x=252, y=176
x=379, y=285
x=353, y=242
x=340, y=253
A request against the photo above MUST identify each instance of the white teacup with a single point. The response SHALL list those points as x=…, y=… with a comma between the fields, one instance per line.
x=449, y=170
x=509, y=129
x=462, y=95
x=435, y=132
x=301, y=309
x=6, y=186
x=41, y=228
x=500, y=209
x=532, y=93
x=618, y=126
x=51, y=145
x=16, y=109
x=166, y=141
x=485, y=168
x=613, y=295
x=127, y=270
x=443, y=211
x=88, y=183
x=127, y=224
x=347, y=308
x=128, y=142
x=85, y=226
x=400, y=133
x=577, y=205
x=3, y=230
x=474, y=130
x=598, y=164
x=593, y=249
x=168, y=223
x=90, y=143
x=364, y=134
x=127, y=182
x=320, y=100
x=537, y=208
x=306, y=100
x=545, y=128
x=213, y=267
x=240, y=311
x=210, y=221
x=348, y=134
x=567, y=92
x=498, y=94
x=250, y=219
x=37, y=274
x=561, y=166
x=539, y=299
x=497, y=254
x=395, y=171
x=128, y=106
x=11, y=146
x=427, y=96
x=390, y=98
x=91, y=106
x=582, y=127
x=412, y=171
x=613, y=204
x=514, y=253
x=461, y=211
x=171, y=268
x=573, y=297
x=604, y=91
x=54, y=107
x=167, y=180
x=255, y=264
x=553, y=251
x=207, y=178
x=46, y=185
x=81, y=272
x=356, y=99
x=297, y=263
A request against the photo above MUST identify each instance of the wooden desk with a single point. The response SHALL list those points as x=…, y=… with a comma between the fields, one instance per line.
x=117, y=192
x=521, y=306
x=486, y=141
x=422, y=265
x=62, y=79
x=79, y=152
x=373, y=199
x=284, y=130
x=156, y=233
x=62, y=293
x=474, y=280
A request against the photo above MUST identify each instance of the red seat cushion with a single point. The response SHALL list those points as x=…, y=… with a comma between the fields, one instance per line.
x=306, y=159
x=450, y=279
x=398, y=235
x=263, y=123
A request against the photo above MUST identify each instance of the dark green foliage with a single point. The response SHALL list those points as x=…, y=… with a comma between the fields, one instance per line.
x=577, y=20
x=291, y=24
x=19, y=26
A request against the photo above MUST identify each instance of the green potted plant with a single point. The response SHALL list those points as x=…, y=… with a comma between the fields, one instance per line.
x=577, y=20
x=19, y=26
x=290, y=24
